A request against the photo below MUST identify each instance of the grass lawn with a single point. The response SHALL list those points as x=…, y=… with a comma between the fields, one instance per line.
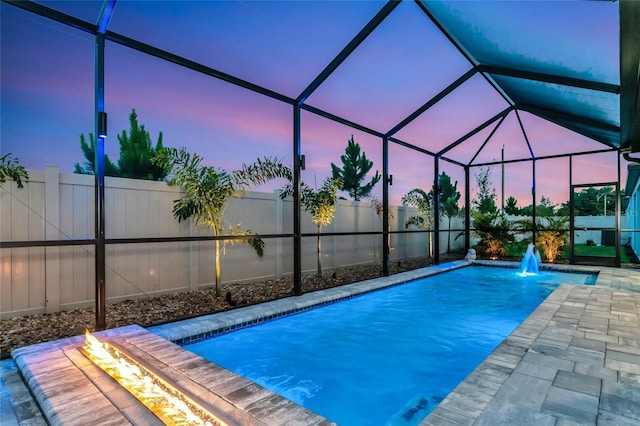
x=600, y=251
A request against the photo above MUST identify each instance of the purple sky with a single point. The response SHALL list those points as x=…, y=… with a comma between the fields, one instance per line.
x=47, y=85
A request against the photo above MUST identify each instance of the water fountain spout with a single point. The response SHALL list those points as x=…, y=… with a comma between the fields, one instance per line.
x=530, y=262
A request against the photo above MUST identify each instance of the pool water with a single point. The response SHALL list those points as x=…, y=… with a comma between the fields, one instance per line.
x=387, y=357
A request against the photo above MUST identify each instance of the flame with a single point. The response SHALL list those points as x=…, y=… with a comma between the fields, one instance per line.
x=169, y=404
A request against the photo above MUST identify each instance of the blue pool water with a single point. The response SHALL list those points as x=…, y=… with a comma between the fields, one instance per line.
x=387, y=357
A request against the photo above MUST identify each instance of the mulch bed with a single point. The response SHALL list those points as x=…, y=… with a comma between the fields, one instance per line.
x=23, y=331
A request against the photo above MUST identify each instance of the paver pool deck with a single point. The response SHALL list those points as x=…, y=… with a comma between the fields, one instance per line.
x=574, y=360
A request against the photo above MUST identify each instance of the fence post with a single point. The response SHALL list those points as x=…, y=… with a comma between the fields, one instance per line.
x=194, y=259
x=279, y=218
x=52, y=226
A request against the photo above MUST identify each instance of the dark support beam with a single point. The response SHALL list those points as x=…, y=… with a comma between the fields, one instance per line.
x=385, y=207
x=100, y=256
x=458, y=45
x=487, y=139
x=46, y=12
x=502, y=114
x=533, y=196
x=548, y=78
x=524, y=133
x=105, y=16
x=144, y=48
x=467, y=210
x=101, y=133
x=546, y=157
x=565, y=120
x=410, y=146
x=431, y=102
x=572, y=217
x=618, y=215
x=568, y=117
x=449, y=160
x=348, y=49
x=341, y=120
x=630, y=75
x=184, y=62
x=297, y=238
x=436, y=211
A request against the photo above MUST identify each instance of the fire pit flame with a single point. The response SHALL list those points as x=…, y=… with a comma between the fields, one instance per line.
x=171, y=405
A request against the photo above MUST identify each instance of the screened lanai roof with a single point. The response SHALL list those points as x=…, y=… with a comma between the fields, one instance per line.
x=397, y=69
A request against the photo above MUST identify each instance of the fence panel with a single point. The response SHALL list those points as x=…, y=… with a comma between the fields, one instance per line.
x=61, y=206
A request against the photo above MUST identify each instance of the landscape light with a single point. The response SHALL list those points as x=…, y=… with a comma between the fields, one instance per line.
x=102, y=124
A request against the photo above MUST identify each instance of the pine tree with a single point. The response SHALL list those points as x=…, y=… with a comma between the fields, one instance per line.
x=486, y=201
x=355, y=167
x=136, y=152
x=511, y=207
x=88, y=150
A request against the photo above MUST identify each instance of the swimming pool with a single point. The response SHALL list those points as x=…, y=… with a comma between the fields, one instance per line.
x=390, y=356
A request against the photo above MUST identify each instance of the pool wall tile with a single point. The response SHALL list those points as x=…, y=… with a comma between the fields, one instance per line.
x=201, y=328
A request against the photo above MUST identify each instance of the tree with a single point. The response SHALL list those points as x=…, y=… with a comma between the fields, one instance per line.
x=511, y=207
x=544, y=208
x=419, y=199
x=449, y=197
x=552, y=235
x=592, y=202
x=207, y=192
x=136, y=154
x=607, y=197
x=321, y=203
x=11, y=168
x=486, y=193
x=379, y=208
x=355, y=167
x=494, y=231
x=89, y=150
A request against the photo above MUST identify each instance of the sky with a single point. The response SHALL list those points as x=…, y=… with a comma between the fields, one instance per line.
x=47, y=84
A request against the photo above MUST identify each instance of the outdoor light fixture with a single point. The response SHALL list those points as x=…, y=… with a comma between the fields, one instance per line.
x=102, y=124
x=390, y=180
x=302, y=162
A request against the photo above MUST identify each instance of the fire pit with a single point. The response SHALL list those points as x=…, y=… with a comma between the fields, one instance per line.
x=71, y=389
x=172, y=405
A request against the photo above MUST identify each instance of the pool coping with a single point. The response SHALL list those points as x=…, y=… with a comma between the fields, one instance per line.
x=574, y=360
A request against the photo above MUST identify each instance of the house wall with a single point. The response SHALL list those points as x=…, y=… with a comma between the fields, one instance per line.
x=633, y=215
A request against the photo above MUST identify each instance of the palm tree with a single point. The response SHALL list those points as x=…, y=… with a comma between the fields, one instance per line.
x=321, y=203
x=449, y=197
x=208, y=191
x=11, y=168
x=424, y=203
x=552, y=235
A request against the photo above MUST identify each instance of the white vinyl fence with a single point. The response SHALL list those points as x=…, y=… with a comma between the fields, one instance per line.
x=56, y=206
